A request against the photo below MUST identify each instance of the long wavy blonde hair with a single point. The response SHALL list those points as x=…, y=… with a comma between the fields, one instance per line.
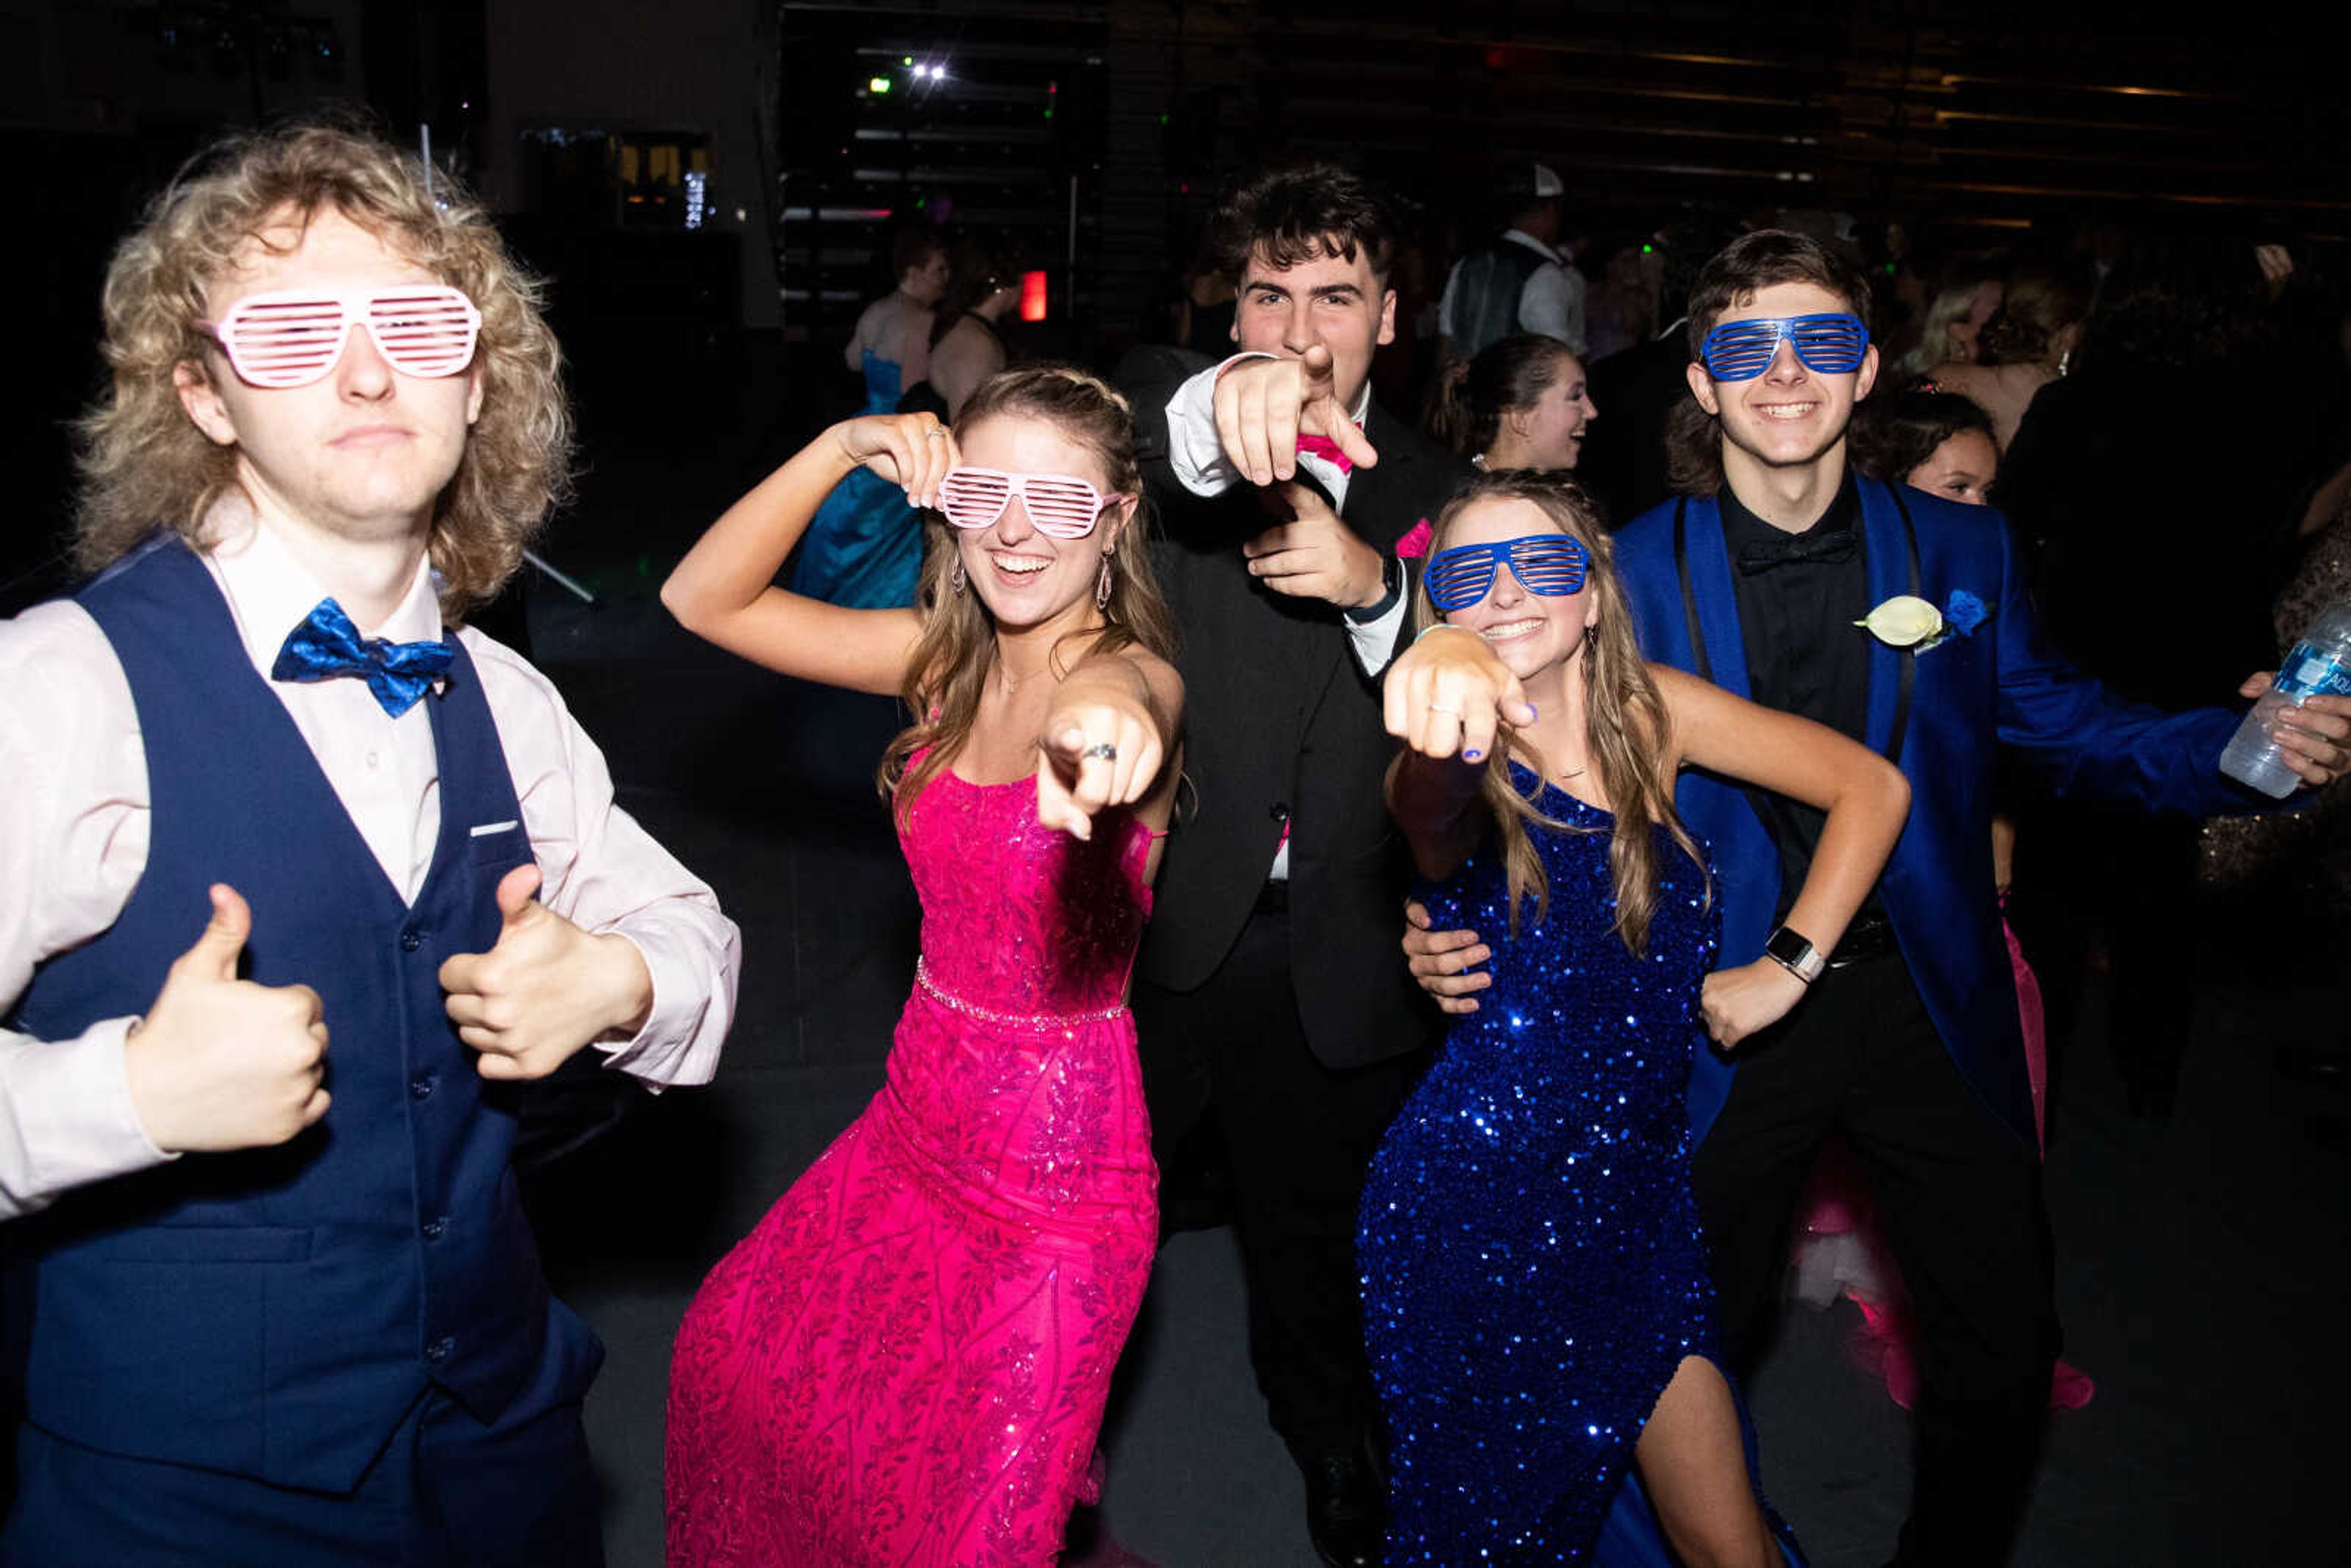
x=1626, y=727
x=948, y=673
x=143, y=462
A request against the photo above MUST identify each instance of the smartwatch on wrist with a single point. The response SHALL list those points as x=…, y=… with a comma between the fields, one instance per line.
x=1795, y=952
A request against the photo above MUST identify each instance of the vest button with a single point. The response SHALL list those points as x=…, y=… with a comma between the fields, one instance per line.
x=410, y=941
x=440, y=1350
x=1278, y=810
x=433, y=1229
x=420, y=1088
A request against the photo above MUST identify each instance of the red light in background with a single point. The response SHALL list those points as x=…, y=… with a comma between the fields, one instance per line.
x=1033, y=296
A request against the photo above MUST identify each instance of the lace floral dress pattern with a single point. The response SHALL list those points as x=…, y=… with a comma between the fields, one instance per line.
x=906, y=1363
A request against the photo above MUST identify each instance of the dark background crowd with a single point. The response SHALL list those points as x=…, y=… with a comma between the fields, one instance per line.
x=2128, y=248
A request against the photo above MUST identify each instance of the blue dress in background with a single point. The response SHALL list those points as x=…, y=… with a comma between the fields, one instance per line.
x=864, y=547
x=1532, y=1266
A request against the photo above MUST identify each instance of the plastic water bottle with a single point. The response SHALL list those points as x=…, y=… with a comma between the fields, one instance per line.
x=2319, y=665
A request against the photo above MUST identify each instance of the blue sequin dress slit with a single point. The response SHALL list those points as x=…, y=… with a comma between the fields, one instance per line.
x=1532, y=1266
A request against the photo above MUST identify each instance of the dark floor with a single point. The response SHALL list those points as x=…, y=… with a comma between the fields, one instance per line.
x=2198, y=1269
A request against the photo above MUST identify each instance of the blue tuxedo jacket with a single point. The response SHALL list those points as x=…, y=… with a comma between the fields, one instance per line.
x=1954, y=706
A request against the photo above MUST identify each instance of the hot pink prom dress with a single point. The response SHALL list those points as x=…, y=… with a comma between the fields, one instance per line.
x=907, y=1361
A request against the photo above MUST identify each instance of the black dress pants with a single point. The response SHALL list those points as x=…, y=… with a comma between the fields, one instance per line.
x=1297, y=1137
x=1960, y=1200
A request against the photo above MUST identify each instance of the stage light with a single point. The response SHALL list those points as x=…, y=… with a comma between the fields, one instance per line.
x=1033, y=296
x=877, y=84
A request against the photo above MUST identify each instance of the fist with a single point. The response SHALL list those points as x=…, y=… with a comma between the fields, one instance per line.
x=222, y=1064
x=1737, y=1003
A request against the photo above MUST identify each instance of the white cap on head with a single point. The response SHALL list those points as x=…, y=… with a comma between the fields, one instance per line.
x=1547, y=182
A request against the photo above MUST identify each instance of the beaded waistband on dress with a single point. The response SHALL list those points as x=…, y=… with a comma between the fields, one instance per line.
x=1003, y=1019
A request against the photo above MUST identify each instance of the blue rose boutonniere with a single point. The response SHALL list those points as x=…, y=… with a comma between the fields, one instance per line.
x=1907, y=621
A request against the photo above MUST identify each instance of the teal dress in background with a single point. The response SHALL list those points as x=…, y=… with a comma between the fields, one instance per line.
x=864, y=548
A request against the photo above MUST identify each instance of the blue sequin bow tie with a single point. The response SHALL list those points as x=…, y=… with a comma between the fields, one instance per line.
x=326, y=645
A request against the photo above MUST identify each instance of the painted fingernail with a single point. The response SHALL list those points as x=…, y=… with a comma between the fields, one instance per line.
x=1472, y=755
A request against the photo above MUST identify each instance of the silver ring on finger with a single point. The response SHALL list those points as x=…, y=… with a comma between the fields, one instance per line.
x=1440, y=707
x=1101, y=748
x=935, y=434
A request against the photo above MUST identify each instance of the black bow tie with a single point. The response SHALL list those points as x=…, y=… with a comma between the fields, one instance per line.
x=1828, y=549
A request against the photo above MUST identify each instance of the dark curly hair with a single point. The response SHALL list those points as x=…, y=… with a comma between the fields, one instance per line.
x=1301, y=211
x=1892, y=435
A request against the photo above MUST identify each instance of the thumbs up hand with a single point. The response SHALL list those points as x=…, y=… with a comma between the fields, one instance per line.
x=222, y=1063
x=546, y=988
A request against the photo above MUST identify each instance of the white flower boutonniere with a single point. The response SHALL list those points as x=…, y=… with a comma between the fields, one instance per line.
x=1907, y=621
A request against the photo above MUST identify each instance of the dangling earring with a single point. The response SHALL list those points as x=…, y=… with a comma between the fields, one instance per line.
x=954, y=579
x=1102, y=583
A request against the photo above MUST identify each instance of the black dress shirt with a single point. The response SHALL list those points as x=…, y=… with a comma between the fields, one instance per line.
x=1799, y=595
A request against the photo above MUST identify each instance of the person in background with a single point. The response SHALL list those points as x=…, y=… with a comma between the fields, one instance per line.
x=1951, y=330
x=2026, y=343
x=1204, y=315
x=2112, y=517
x=865, y=549
x=1940, y=442
x=1522, y=402
x=966, y=347
x=1621, y=309
x=1519, y=281
x=1624, y=460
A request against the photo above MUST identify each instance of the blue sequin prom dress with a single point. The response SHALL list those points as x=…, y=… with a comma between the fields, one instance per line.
x=1532, y=1266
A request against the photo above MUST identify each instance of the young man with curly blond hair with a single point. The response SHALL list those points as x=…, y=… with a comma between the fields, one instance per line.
x=307, y=876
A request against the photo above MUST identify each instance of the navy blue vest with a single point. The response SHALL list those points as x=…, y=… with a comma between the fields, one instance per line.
x=275, y=1313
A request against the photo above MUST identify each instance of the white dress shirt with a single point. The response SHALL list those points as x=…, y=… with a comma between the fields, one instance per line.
x=1550, y=302
x=73, y=843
